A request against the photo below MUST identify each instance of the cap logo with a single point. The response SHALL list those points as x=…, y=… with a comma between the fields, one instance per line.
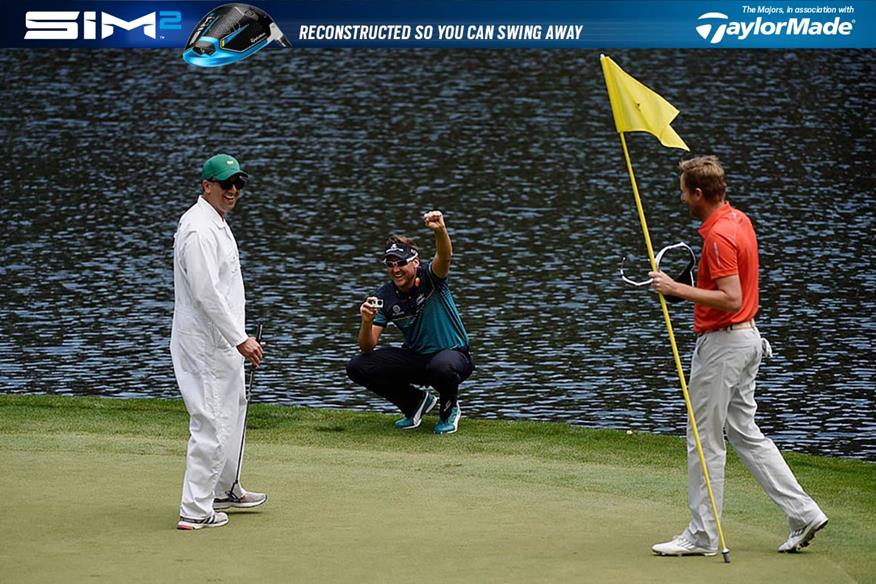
x=229, y=162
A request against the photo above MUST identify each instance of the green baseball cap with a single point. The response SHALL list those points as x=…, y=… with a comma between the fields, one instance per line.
x=221, y=167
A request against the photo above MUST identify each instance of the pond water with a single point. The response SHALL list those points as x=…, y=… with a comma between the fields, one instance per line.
x=103, y=148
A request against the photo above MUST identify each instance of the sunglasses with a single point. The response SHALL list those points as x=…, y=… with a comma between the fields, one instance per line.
x=396, y=263
x=235, y=181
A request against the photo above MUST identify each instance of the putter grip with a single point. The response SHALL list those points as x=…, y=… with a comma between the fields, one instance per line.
x=258, y=339
x=252, y=369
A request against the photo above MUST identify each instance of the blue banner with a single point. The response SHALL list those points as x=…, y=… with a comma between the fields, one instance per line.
x=474, y=23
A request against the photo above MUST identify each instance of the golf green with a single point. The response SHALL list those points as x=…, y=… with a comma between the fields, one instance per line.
x=92, y=489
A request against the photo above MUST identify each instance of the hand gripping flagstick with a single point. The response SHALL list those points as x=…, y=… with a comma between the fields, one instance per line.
x=252, y=369
x=638, y=109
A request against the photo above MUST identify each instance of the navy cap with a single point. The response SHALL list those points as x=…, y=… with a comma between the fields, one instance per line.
x=400, y=251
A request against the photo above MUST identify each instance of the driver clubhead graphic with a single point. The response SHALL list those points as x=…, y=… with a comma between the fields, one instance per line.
x=231, y=33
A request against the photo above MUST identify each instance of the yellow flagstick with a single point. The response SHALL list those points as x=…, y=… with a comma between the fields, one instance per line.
x=690, y=413
x=653, y=114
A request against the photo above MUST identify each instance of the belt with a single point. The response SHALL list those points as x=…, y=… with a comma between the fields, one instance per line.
x=748, y=324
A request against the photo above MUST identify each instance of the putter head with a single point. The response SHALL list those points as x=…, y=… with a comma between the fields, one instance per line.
x=632, y=282
x=231, y=33
x=686, y=275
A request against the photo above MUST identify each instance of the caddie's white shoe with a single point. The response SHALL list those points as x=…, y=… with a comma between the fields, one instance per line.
x=247, y=500
x=215, y=520
x=800, y=538
x=681, y=546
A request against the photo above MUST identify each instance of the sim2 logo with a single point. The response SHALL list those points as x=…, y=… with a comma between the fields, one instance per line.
x=64, y=25
x=716, y=26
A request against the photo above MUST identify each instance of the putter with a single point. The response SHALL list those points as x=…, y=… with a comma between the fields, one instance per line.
x=245, y=415
x=685, y=276
x=230, y=33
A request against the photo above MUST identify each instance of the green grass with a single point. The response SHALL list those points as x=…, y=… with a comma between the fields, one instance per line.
x=92, y=490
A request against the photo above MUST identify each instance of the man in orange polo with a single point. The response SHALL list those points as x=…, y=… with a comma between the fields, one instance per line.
x=724, y=367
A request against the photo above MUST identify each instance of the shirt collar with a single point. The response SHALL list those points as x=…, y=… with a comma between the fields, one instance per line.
x=211, y=212
x=713, y=219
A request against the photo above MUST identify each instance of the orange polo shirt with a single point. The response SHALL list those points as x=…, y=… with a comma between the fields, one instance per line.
x=729, y=249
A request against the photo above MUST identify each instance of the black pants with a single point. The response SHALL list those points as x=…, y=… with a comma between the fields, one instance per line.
x=392, y=372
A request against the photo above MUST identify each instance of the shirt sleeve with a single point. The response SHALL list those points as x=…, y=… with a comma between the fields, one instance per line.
x=434, y=279
x=722, y=257
x=201, y=265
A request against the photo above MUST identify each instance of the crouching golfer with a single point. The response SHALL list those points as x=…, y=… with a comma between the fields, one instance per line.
x=208, y=346
x=435, y=352
x=724, y=367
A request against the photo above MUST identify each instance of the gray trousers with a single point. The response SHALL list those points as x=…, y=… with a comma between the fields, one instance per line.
x=722, y=382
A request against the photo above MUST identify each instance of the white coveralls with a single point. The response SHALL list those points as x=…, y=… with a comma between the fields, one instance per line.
x=208, y=324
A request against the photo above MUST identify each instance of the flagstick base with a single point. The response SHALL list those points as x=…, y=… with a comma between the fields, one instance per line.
x=726, y=553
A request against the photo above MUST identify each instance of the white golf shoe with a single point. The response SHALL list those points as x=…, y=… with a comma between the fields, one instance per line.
x=800, y=538
x=215, y=520
x=681, y=546
x=247, y=500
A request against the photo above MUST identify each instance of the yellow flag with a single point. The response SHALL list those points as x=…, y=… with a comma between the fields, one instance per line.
x=638, y=109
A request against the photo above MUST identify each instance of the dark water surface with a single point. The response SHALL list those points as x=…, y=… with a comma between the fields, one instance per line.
x=102, y=150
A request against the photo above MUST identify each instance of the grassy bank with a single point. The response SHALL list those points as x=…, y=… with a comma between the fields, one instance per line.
x=92, y=490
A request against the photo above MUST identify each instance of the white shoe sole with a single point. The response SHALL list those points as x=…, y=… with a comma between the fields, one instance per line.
x=680, y=554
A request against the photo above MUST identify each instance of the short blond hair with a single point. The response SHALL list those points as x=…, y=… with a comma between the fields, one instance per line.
x=704, y=173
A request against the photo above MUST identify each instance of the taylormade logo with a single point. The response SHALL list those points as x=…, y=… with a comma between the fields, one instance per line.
x=717, y=25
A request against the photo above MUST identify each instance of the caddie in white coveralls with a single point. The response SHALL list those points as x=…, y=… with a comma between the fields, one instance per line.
x=208, y=347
